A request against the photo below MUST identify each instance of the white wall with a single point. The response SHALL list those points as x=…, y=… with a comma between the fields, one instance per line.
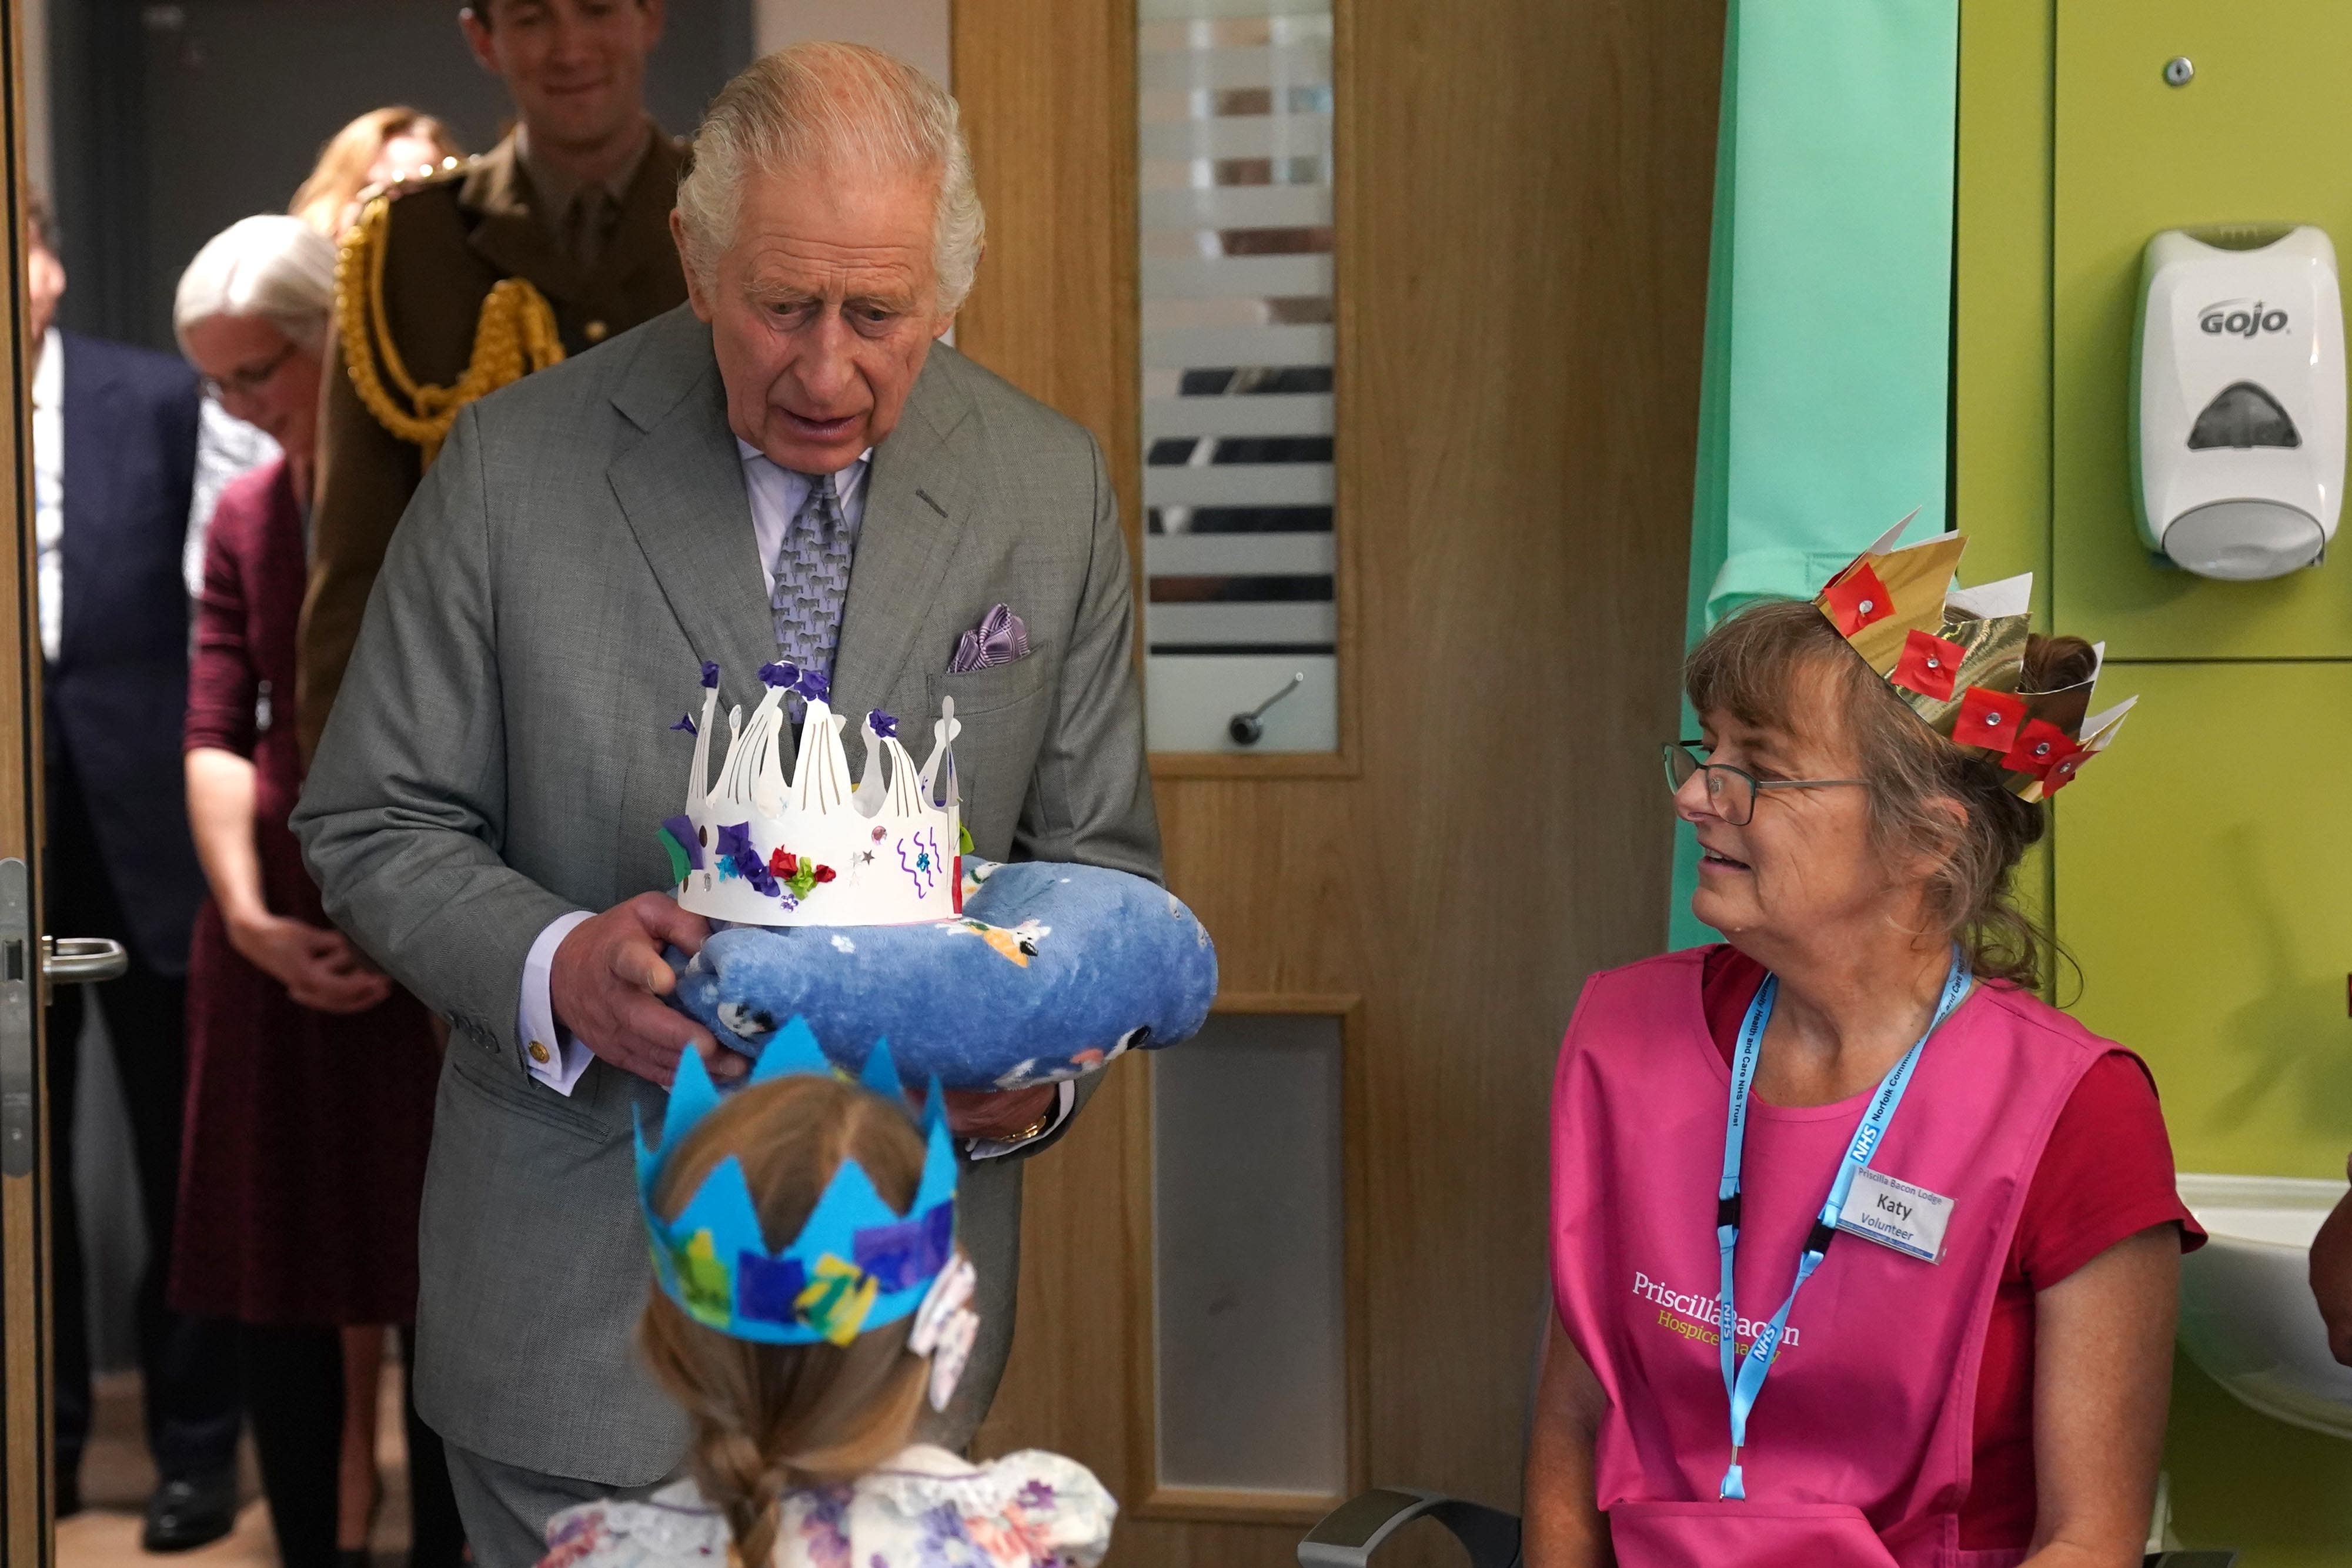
x=914, y=30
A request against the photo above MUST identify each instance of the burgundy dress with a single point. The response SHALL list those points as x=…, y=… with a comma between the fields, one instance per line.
x=304, y=1153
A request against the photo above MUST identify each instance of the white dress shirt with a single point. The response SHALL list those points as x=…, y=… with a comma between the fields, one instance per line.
x=49, y=492
x=555, y=1057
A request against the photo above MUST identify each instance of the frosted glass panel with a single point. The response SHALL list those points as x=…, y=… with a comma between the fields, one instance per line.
x=1249, y=1259
x=1234, y=205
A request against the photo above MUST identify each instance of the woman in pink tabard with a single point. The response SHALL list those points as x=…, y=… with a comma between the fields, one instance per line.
x=1863, y=1254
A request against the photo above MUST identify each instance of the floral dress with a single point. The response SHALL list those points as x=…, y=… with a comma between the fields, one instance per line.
x=924, y=1509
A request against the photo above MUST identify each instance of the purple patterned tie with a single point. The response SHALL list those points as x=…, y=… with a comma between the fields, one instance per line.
x=812, y=579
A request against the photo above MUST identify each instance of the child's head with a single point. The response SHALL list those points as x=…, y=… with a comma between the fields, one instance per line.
x=770, y=1417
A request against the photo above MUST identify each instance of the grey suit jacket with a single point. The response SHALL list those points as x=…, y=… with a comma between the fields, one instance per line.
x=501, y=753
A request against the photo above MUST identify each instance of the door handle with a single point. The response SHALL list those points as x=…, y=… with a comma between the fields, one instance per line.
x=74, y=960
x=1248, y=728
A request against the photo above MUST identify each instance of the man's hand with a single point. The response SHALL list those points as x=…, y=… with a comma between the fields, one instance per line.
x=999, y=1114
x=607, y=981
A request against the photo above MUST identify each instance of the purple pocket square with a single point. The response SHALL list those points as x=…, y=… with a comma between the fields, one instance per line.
x=999, y=639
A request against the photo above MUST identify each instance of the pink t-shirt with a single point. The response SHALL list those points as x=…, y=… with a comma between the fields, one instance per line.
x=2106, y=1175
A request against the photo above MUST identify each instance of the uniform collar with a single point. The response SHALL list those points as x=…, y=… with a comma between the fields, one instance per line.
x=510, y=235
x=557, y=189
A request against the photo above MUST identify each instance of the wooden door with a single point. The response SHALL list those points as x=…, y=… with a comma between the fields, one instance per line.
x=1521, y=240
x=25, y=1428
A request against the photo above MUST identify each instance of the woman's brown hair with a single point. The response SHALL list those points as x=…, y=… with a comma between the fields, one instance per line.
x=767, y=1417
x=1755, y=664
x=341, y=172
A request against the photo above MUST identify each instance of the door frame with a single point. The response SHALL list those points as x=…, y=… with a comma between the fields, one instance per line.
x=26, y=1394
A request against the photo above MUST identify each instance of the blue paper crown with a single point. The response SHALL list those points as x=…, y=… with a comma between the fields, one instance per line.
x=857, y=1264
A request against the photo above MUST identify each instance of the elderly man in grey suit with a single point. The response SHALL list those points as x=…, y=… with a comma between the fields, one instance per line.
x=792, y=467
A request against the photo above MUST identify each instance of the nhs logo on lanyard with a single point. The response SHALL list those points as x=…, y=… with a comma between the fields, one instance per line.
x=1866, y=1143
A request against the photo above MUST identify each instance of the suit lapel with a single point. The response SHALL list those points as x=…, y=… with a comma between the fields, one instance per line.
x=681, y=488
x=641, y=240
x=917, y=504
x=506, y=233
x=85, y=419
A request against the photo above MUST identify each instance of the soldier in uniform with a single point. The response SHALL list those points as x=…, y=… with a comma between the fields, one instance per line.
x=459, y=279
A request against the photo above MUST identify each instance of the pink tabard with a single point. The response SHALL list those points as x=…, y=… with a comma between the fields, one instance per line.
x=1859, y=1448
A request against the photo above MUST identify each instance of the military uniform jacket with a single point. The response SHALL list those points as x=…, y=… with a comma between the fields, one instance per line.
x=452, y=237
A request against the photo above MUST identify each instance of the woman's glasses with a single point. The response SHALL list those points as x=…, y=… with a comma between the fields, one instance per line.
x=248, y=381
x=1730, y=793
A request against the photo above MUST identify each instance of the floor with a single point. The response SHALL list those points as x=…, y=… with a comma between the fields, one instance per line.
x=117, y=1476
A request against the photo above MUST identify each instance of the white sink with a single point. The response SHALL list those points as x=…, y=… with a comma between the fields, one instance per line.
x=2247, y=1318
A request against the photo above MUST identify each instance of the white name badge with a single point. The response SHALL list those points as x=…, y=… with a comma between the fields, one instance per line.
x=1895, y=1214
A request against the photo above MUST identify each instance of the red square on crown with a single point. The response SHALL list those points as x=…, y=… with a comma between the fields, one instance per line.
x=1989, y=719
x=2041, y=746
x=1928, y=666
x=1856, y=599
x=2061, y=772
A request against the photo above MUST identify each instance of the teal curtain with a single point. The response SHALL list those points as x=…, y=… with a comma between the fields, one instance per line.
x=1825, y=391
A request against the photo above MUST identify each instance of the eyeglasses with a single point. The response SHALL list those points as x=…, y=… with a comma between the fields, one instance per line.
x=1731, y=792
x=250, y=381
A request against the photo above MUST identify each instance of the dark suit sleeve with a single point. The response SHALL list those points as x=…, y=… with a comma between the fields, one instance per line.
x=404, y=810
x=183, y=415
x=366, y=476
x=1090, y=796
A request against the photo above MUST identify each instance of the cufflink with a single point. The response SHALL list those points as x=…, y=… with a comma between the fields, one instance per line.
x=540, y=1053
x=596, y=331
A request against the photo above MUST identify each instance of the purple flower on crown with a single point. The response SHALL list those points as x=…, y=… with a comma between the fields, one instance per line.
x=813, y=686
x=786, y=676
x=710, y=676
x=883, y=725
x=734, y=851
x=686, y=723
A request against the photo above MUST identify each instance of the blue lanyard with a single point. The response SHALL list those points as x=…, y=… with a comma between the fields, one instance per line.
x=1743, y=1380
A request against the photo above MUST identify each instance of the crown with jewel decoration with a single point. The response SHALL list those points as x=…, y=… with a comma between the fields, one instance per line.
x=760, y=849
x=1957, y=657
x=857, y=1263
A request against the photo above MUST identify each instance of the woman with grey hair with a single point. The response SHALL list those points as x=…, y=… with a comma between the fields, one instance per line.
x=310, y=1076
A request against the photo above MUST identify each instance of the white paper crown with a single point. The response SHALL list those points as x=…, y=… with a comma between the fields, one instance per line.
x=760, y=849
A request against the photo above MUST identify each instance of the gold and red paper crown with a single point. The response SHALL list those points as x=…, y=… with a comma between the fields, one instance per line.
x=1956, y=656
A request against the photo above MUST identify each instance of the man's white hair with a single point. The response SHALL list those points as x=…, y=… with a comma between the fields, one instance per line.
x=276, y=267
x=815, y=104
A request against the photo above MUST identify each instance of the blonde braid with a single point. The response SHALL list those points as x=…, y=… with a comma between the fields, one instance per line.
x=740, y=1482
x=514, y=335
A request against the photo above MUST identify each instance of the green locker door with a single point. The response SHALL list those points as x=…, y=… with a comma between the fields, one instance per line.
x=2262, y=132
x=2204, y=884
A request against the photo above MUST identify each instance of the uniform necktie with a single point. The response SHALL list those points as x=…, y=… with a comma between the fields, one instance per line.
x=585, y=222
x=812, y=579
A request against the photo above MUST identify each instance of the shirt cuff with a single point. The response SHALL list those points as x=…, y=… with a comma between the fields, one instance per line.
x=548, y=1050
x=1065, y=1096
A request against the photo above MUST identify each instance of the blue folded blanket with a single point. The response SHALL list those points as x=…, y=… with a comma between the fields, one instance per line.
x=1052, y=971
